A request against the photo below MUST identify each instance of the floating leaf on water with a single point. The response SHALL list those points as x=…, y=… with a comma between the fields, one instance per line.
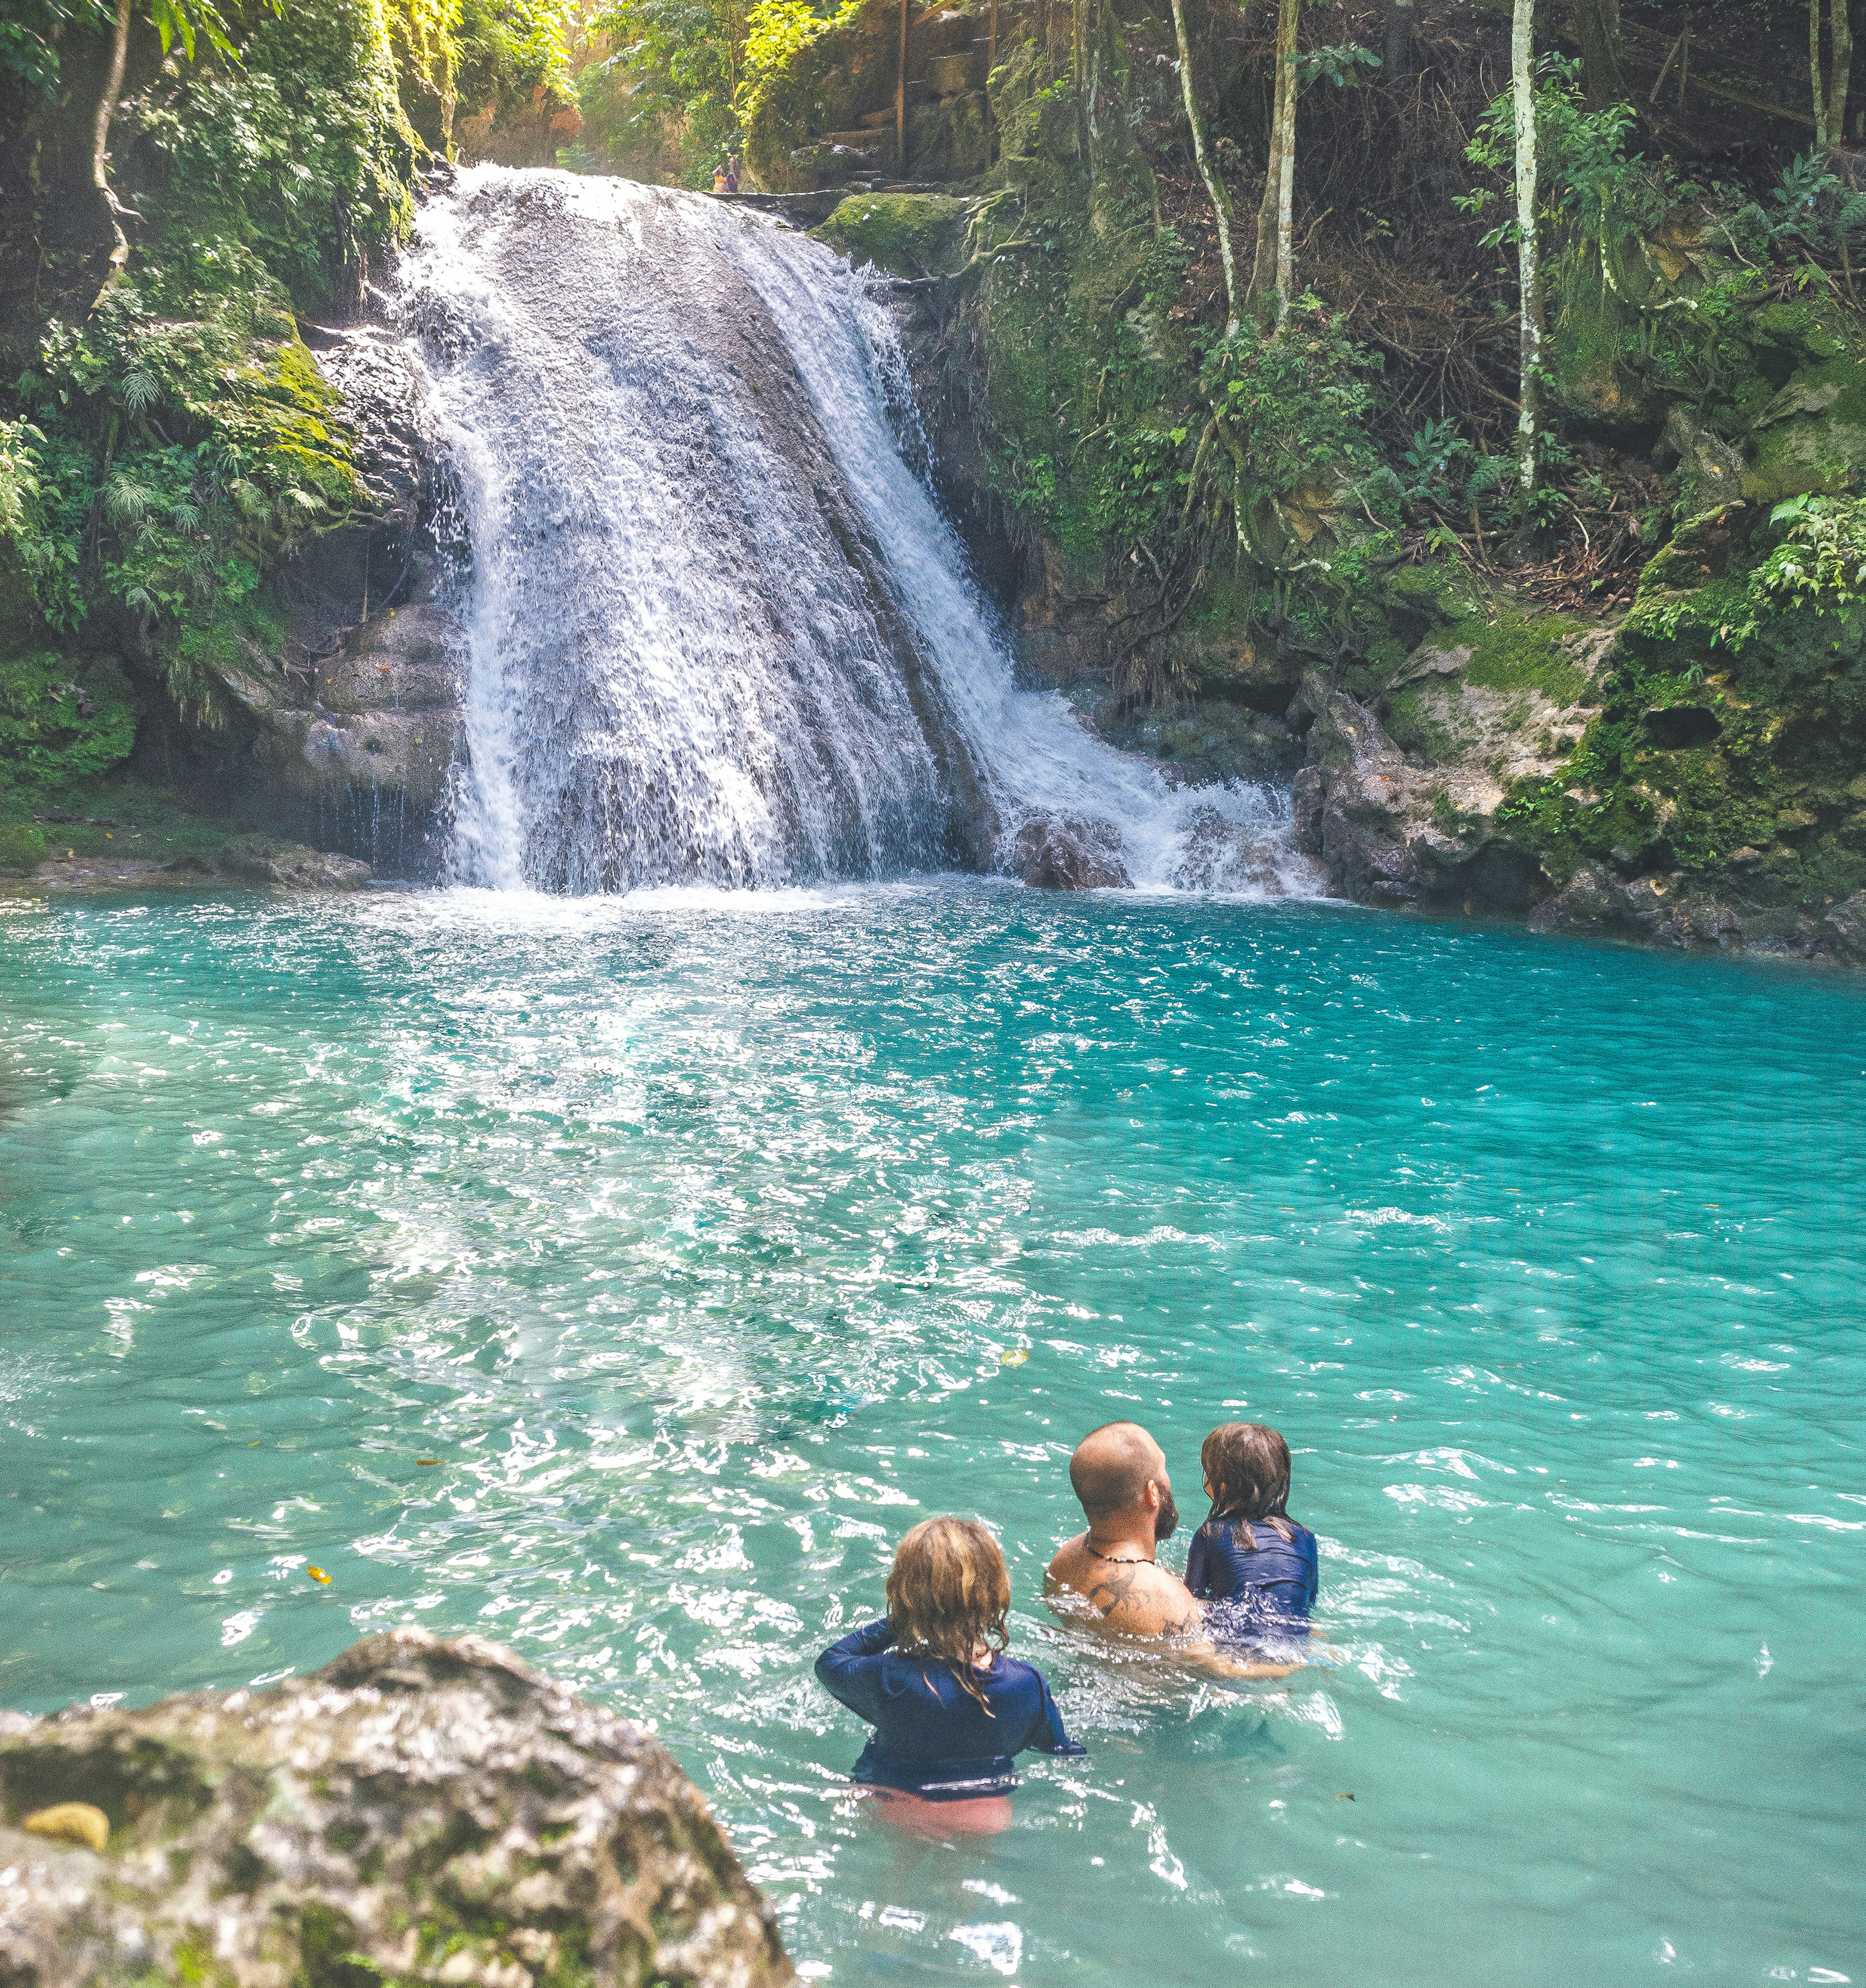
x=1344, y=1798
x=428, y=1462
x=318, y=1575
x=1014, y=1356
x=70, y=1822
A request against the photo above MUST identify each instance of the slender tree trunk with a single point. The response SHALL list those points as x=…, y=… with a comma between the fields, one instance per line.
x=900, y=92
x=1214, y=187
x=1813, y=64
x=1269, y=269
x=101, y=140
x=1396, y=58
x=991, y=64
x=1285, y=202
x=1840, y=49
x=1522, y=77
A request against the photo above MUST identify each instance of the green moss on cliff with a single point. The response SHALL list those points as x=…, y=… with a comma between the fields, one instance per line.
x=1513, y=651
x=907, y=234
x=61, y=720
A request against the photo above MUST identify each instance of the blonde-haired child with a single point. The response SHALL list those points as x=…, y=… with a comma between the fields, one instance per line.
x=950, y=1709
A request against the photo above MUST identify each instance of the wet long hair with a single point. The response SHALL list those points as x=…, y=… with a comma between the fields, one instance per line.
x=949, y=1591
x=1248, y=1466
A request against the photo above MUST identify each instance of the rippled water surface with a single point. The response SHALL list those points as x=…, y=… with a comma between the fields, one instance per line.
x=691, y=1236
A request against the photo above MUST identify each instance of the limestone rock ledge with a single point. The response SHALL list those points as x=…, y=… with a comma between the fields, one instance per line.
x=420, y=1810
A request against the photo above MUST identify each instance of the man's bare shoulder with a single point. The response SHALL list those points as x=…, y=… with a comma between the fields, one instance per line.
x=1134, y=1597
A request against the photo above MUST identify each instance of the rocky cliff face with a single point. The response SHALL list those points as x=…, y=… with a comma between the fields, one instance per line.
x=419, y=1811
x=344, y=726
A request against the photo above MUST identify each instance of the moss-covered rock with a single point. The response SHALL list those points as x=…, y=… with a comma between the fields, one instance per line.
x=1811, y=435
x=417, y=1811
x=905, y=234
x=22, y=847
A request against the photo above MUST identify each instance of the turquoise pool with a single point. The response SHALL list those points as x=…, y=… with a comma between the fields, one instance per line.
x=690, y=1235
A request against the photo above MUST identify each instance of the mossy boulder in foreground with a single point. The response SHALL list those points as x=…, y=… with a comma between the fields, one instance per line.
x=419, y=1811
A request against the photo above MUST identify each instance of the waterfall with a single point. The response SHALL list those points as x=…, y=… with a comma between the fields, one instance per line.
x=719, y=631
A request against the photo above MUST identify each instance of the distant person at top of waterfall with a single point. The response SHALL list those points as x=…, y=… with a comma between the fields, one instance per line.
x=718, y=179
x=951, y=1710
x=1110, y=1577
x=732, y=173
x=1253, y=1565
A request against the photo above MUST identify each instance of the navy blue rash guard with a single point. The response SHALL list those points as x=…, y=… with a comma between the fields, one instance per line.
x=1254, y=1595
x=931, y=1737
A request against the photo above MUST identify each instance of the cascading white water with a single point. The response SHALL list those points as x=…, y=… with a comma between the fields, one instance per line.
x=719, y=629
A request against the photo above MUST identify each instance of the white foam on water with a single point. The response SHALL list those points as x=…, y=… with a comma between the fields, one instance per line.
x=679, y=671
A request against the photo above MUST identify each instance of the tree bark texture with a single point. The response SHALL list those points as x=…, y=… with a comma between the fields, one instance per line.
x=1214, y=187
x=107, y=101
x=1396, y=56
x=1271, y=269
x=1831, y=89
x=900, y=91
x=1595, y=26
x=1285, y=202
x=1522, y=78
x=1840, y=41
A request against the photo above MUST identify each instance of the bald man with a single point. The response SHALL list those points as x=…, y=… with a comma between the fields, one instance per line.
x=1119, y=1473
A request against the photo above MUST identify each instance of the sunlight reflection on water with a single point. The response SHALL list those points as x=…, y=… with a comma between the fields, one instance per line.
x=690, y=1234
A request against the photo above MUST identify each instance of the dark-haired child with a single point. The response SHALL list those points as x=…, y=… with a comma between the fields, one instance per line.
x=1251, y=1562
x=950, y=1709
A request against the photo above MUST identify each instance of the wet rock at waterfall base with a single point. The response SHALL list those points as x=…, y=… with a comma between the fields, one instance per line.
x=1221, y=855
x=1069, y=853
x=419, y=1811
x=1843, y=931
x=297, y=867
x=1591, y=901
x=1660, y=909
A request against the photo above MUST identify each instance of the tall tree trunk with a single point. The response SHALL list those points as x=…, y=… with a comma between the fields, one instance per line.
x=1270, y=267
x=1839, y=48
x=1595, y=26
x=1214, y=187
x=991, y=64
x=1285, y=202
x=900, y=92
x=1396, y=58
x=1813, y=64
x=101, y=140
x=1528, y=275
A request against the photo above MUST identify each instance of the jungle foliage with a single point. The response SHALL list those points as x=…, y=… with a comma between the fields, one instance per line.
x=164, y=450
